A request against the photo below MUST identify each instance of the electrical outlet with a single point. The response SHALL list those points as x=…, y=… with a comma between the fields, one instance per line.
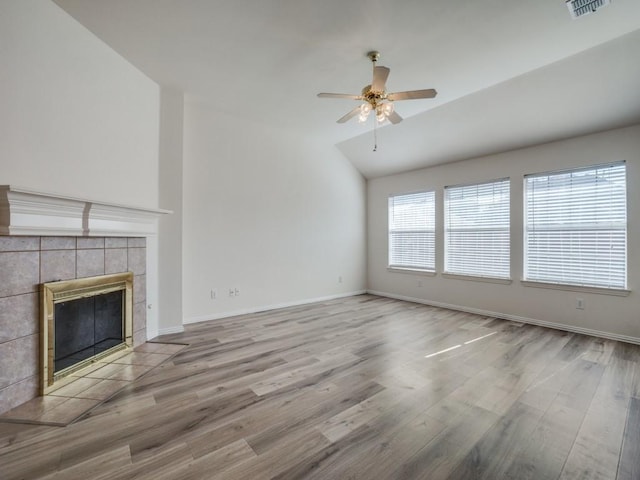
x=236, y=292
x=580, y=303
x=214, y=293
x=232, y=292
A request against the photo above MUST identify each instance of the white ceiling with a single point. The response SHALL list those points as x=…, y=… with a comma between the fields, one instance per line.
x=508, y=74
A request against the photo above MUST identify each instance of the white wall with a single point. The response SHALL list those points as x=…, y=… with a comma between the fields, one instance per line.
x=170, y=226
x=619, y=317
x=276, y=215
x=75, y=117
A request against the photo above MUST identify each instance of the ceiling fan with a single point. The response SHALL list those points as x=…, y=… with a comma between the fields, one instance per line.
x=376, y=99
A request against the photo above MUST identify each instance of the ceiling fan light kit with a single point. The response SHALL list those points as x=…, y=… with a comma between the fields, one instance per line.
x=376, y=99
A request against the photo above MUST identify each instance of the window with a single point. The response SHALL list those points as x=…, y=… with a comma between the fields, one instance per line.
x=477, y=229
x=576, y=227
x=412, y=231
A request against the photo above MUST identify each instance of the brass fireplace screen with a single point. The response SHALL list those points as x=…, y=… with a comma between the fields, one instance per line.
x=82, y=321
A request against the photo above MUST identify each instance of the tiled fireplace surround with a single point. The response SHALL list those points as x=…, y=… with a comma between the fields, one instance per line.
x=27, y=261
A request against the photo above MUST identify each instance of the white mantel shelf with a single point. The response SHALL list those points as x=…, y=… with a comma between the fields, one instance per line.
x=27, y=212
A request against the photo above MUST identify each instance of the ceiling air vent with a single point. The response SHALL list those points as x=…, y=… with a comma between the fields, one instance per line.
x=578, y=8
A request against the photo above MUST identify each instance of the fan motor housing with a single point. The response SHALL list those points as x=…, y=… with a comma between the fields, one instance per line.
x=371, y=96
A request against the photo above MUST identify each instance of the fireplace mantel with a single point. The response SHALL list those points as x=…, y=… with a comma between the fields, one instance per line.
x=27, y=212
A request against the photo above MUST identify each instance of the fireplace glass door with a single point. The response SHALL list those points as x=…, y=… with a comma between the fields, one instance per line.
x=87, y=327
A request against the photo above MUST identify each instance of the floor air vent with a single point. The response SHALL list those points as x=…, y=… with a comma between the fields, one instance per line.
x=578, y=8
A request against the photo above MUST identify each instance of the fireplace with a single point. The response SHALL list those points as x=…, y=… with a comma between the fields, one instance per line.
x=45, y=237
x=82, y=321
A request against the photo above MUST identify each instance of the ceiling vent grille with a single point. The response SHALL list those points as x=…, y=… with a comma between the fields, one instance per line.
x=578, y=8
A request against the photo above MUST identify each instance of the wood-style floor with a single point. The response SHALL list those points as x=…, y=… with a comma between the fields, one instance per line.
x=350, y=389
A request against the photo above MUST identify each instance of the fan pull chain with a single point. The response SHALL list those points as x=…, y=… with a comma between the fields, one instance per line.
x=375, y=134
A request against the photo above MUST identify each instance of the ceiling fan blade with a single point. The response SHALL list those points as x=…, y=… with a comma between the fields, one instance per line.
x=350, y=115
x=412, y=94
x=394, y=118
x=340, y=95
x=380, y=75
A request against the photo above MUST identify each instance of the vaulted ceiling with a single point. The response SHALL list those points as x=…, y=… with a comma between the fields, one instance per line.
x=508, y=74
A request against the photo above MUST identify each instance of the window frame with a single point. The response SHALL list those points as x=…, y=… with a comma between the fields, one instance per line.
x=539, y=282
x=431, y=204
x=469, y=275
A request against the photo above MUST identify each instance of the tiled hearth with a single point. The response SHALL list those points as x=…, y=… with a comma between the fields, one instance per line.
x=85, y=389
x=28, y=261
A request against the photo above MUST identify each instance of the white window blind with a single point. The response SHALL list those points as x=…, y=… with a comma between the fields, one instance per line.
x=477, y=239
x=576, y=227
x=412, y=231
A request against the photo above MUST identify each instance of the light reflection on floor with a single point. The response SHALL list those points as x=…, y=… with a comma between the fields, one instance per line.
x=459, y=345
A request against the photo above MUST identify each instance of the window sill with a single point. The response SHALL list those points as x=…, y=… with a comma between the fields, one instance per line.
x=577, y=288
x=455, y=276
x=415, y=271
